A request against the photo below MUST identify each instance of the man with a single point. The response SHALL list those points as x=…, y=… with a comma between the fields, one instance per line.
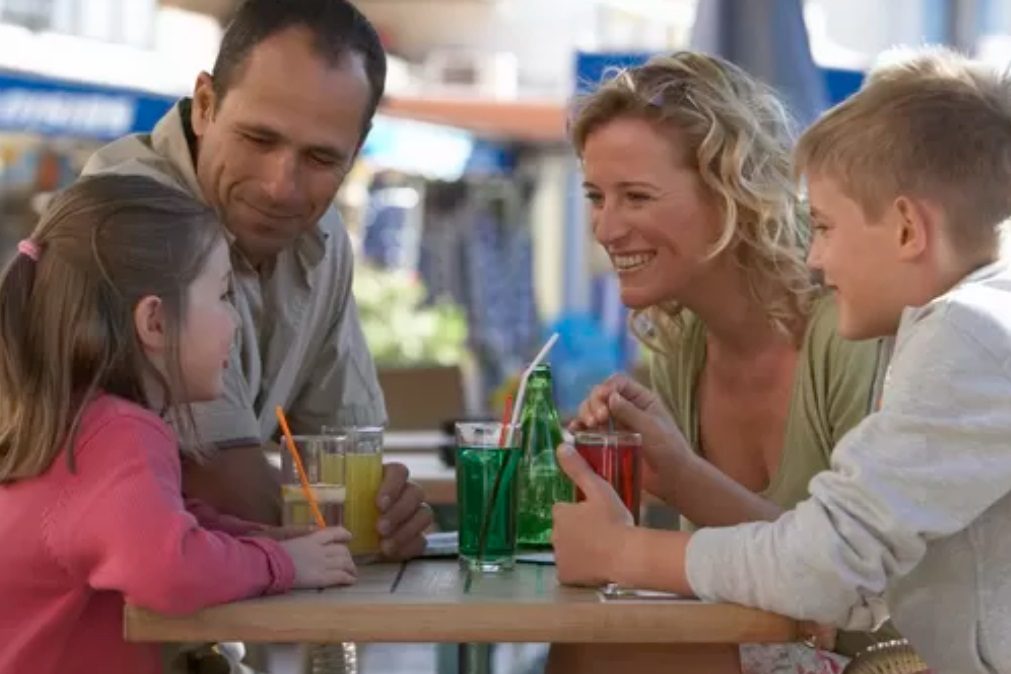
x=267, y=140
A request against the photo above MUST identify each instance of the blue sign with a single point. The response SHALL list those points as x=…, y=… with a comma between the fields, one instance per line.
x=434, y=151
x=592, y=69
x=35, y=104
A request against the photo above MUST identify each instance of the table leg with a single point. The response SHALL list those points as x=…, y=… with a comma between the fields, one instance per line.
x=643, y=658
x=475, y=658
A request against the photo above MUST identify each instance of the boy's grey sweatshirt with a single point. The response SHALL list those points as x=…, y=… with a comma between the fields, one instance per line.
x=915, y=513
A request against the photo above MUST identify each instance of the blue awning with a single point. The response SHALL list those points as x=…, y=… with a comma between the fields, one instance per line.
x=35, y=104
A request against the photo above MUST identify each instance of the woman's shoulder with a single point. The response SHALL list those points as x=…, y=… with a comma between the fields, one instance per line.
x=845, y=374
x=674, y=369
x=822, y=339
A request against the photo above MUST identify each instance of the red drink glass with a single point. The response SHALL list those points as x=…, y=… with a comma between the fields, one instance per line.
x=616, y=457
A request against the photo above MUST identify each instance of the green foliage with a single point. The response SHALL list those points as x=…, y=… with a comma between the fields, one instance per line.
x=401, y=331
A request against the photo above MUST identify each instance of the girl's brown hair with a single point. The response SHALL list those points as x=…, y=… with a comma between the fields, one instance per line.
x=66, y=320
x=739, y=139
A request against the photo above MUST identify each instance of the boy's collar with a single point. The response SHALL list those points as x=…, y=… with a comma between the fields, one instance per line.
x=911, y=315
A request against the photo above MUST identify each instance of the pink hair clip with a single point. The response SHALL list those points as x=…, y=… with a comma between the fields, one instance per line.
x=29, y=248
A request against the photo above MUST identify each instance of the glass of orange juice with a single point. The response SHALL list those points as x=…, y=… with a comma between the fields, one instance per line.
x=322, y=459
x=363, y=473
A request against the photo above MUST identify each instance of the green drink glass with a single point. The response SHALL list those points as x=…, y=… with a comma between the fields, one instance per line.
x=487, y=458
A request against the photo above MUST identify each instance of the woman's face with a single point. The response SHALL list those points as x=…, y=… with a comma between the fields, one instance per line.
x=650, y=210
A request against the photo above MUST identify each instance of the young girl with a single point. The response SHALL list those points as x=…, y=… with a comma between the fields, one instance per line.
x=114, y=312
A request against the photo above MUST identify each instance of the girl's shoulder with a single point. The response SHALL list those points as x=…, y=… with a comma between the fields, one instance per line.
x=111, y=420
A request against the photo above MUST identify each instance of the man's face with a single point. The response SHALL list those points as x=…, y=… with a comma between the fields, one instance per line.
x=274, y=151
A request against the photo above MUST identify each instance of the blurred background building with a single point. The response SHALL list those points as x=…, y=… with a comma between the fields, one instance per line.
x=465, y=206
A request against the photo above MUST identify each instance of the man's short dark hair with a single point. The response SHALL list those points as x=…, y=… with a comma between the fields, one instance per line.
x=338, y=30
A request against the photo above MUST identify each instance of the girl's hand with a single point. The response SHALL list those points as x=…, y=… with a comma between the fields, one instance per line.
x=322, y=558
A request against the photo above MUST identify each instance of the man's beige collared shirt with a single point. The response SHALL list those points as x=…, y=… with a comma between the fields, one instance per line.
x=299, y=341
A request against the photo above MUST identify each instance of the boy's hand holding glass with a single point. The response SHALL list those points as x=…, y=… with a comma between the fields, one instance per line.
x=588, y=536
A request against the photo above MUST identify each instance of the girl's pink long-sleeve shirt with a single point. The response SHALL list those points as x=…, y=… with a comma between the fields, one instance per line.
x=75, y=546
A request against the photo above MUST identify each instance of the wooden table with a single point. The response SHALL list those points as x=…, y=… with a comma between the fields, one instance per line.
x=427, y=601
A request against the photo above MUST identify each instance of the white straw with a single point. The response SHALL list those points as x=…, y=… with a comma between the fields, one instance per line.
x=518, y=403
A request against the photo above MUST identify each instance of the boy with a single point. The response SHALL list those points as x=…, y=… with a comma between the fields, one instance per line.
x=909, y=182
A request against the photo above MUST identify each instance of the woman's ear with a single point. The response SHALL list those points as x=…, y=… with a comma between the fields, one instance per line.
x=149, y=322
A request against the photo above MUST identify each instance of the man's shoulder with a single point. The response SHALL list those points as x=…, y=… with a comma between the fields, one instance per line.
x=331, y=224
x=338, y=260
x=133, y=155
x=163, y=155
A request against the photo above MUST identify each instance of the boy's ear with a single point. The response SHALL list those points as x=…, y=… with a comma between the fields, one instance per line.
x=915, y=223
x=149, y=323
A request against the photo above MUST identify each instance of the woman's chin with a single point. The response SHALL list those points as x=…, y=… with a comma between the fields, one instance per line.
x=638, y=299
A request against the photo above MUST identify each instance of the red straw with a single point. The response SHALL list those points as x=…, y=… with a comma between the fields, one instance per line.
x=506, y=415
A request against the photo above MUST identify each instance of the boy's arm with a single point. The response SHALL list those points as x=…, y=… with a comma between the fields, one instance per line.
x=932, y=461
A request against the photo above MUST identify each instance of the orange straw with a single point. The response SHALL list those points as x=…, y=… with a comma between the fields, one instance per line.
x=506, y=412
x=302, y=477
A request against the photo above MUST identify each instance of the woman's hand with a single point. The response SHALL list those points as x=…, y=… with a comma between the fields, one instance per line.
x=633, y=407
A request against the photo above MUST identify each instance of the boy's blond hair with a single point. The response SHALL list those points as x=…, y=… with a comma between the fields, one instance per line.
x=937, y=126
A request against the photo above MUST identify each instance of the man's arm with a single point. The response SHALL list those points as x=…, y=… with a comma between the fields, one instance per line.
x=239, y=481
x=342, y=387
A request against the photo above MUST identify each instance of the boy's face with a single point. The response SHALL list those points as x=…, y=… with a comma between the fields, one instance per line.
x=858, y=260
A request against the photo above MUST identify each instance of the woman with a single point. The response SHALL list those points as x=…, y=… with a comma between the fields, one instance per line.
x=687, y=171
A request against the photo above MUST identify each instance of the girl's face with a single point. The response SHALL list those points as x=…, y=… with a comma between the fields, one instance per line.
x=208, y=328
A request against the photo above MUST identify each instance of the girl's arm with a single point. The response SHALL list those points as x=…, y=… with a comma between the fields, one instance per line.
x=123, y=526
x=211, y=518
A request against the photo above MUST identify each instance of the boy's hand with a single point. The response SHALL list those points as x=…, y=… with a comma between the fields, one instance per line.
x=322, y=558
x=587, y=535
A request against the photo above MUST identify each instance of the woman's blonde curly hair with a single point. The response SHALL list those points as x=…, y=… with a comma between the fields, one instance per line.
x=739, y=140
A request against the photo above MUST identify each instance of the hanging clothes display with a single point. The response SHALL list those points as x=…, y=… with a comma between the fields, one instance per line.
x=477, y=249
